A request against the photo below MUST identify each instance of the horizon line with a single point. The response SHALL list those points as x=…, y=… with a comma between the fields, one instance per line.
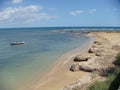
x=66, y=27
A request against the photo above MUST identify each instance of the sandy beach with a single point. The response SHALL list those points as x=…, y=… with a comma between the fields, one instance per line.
x=103, y=52
x=102, y=55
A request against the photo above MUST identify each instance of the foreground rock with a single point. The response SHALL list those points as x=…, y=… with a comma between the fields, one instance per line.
x=81, y=58
x=97, y=42
x=95, y=50
x=98, y=54
x=86, y=68
x=77, y=67
x=74, y=67
x=116, y=47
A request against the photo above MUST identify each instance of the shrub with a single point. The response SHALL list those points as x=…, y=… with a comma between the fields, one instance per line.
x=117, y=62
x=112, y=82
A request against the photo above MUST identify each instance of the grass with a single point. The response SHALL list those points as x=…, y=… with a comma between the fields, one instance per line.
x=113, y=80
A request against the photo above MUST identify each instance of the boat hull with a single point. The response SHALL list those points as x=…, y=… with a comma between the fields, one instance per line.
x=17, y=43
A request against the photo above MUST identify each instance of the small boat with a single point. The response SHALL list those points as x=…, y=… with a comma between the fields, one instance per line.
x=17, y=43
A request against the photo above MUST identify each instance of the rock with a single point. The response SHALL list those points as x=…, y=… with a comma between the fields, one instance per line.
x=86, y=68
x=95, y=41
x=98, y=43
x=81, y=58
x=98, y=54
x=116, y=47
x=93, y=46
x=74, y=67
x=91, y=50
x=95, y=50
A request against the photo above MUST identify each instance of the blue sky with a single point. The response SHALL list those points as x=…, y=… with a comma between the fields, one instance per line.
x=52, y=13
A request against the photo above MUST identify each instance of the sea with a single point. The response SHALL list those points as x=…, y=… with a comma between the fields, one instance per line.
x=42, y=48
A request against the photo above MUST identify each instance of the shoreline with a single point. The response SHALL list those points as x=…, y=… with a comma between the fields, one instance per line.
x=105, y=45
x=62, y=66
x=55, y=72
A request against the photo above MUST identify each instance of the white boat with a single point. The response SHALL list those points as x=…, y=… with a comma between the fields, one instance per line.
x=17, y=43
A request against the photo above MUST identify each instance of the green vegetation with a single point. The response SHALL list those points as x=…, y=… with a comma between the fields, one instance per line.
x=117, y=62
x=113, y=80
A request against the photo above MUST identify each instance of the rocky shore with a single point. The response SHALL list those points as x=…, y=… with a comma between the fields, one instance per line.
x=97, y=62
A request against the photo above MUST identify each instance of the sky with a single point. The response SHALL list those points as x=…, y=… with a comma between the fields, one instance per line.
x=59, y=13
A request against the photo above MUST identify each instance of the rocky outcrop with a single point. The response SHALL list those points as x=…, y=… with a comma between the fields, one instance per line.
x=86, y=68
x=91, y=50
x=77, y=67
x=81, y=58
x=102, y=71
x=74, y=67
x=97, y=42
x=98, y=54
x=95, y=50
x=116, y=47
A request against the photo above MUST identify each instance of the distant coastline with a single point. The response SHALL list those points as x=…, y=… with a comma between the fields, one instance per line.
x=89, y=28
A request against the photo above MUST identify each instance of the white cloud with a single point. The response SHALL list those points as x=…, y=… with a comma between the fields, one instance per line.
x=76, y=12
x=73, y=13
x=23, y=14
x=79, y=12
x=92, y=11
x=17, y=1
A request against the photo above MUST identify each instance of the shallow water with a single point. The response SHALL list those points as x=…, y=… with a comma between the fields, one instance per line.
x=20, y=63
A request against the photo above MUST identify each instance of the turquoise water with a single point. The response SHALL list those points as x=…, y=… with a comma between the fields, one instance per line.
x=21, y=63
